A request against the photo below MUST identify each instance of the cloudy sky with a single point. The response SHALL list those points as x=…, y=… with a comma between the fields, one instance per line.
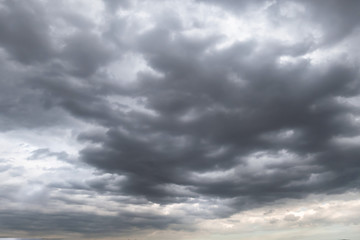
x=180, y=119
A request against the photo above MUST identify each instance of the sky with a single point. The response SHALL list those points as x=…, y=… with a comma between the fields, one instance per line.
x=180, y=119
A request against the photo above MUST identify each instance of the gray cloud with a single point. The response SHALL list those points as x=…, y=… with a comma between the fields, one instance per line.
x=230, y=125
x=233, y=116
x=44, y=152
x=83, y=223
x=25, y=32
x=337, y=19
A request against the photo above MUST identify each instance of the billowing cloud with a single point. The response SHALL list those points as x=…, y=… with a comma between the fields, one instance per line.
x=168, y=115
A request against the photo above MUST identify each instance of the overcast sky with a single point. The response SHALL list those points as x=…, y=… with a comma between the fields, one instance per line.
x=180, y=119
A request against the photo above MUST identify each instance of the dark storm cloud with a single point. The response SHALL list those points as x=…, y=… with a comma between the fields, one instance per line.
x=22, y=106
x=25, y=39
x=86, y=53
x=235, y=108
x=211, y=113
x=235, y=116
x=82, y=223
x=38, y=77
x=338, y=18
x=24, y=31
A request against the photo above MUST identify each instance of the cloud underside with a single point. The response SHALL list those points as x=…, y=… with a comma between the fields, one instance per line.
x=233, y=102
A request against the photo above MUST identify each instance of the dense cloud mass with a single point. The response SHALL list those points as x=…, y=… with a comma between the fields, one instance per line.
x=224, y=105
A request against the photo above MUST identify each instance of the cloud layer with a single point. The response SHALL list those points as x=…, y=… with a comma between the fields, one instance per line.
x=163, y=108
